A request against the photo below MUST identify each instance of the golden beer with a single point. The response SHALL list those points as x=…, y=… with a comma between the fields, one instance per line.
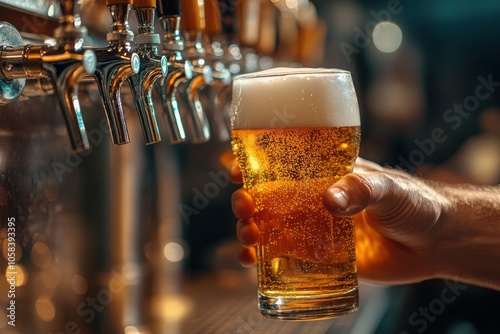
x=306, y=256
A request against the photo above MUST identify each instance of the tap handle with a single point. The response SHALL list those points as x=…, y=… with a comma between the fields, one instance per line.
x=118, y=2
x=169, y=14
x=166, y=8
x=213, y=20
x=193, y=15
x=229, y=17
x=249, y=16
x=144, y=3
x=67, y=7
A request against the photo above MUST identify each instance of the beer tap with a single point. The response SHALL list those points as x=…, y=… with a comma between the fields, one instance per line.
x=234, y=59
x=181, y=75
x=249, y=15
x=193, y=25
x=63, y=64
x=116, y=63
x=233, y=56
x=179, y=69
x=215, y=95
x=152, y=68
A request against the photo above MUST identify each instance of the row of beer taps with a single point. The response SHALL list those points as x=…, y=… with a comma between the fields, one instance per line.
x=179, y=66
x=189, y=67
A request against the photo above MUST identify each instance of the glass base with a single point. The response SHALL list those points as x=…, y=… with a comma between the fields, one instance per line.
x=308, y=308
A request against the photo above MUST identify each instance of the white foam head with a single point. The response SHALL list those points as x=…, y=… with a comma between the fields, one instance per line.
x=294, y=97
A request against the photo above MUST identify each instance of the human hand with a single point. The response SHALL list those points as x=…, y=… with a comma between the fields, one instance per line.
x=397, y=218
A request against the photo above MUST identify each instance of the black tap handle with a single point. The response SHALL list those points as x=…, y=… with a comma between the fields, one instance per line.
x=168, y=8
x=229, y=16
x=67, y=7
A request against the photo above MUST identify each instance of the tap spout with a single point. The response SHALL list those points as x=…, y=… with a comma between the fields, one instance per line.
x=174, y=89
x=64, y=67
x=66, y=84
x=112, y=70
x=180, y=69
x=152, y=68
x=115, y=64
x=215, y=102
x=168, y=88
x=142, y=85
x=198, y=116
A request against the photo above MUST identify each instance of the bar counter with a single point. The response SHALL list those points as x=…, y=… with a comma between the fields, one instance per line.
x=224, y=301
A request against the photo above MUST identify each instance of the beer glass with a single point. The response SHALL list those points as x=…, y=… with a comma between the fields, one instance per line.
x=294, y=133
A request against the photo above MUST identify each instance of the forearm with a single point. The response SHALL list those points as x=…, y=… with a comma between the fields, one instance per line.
x=468, y=249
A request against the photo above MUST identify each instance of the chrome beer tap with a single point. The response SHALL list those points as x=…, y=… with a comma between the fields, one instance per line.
x=116, y=63
x=212, y=95
x=179, y=69
x=232, y=58
x=193, y=22
x=63, y=64
x=152, y=68
x=232, y=54
x=181, y=73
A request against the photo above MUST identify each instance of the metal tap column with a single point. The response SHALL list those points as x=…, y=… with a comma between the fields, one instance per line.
x=214, y=96
x=115, y=63
x=152, y=68
x=180, y=70
x=193, y=21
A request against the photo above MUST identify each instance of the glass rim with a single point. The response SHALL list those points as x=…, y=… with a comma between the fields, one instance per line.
x=291, y=71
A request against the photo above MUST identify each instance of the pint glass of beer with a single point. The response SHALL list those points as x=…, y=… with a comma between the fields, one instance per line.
x=294, y=133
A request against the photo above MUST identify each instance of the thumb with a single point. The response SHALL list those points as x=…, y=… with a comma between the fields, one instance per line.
x=354, y=192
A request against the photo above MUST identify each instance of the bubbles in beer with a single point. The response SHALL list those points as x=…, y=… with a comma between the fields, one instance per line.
x=295, y=154
x=303, y=247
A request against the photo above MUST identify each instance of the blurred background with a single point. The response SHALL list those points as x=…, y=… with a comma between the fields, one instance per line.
x=141, y=238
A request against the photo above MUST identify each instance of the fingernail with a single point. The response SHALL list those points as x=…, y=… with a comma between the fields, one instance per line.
x=235, y=203
x=238, y=234
x=241, y=236
x=340, y=197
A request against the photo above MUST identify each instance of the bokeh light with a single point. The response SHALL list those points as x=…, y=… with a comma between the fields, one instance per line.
x=387, y=36
x=173, y=252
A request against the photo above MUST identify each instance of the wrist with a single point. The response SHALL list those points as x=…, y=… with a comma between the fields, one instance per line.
x=467, y=246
